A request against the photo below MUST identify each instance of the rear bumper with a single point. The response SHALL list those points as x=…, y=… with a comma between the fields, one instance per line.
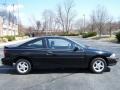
x=7, y=61
x=112, y=61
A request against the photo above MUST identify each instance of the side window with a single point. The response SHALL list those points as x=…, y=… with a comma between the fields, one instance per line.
x=36, y=44
x=58, y=43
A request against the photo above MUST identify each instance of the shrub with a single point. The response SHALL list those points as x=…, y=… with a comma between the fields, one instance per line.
x=4, y=40
x=69, y=34
x=118, y=36
x=10, y=38
x=89, y=34
x=0, y=39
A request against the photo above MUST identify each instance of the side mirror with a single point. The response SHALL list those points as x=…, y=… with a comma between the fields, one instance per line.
x=76, y=49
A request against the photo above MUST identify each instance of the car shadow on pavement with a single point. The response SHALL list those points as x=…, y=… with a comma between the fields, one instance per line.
x=11, y=70
x=64, y=70
x=59, y=70
x=7, y=70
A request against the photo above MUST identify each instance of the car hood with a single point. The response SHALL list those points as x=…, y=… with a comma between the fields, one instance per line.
x=97, y=51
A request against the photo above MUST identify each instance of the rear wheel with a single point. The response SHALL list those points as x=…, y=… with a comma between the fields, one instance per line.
x=98, y=65
x=23, y=66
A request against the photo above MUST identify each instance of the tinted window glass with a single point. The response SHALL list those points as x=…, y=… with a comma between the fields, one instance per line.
x=59, y=44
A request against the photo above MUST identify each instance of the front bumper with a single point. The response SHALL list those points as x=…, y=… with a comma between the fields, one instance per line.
x=112, y=61
x=7, y=61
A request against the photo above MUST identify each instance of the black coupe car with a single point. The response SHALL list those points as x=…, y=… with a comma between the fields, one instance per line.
x=56, y=52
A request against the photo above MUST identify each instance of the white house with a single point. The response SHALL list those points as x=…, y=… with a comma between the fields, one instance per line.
x=7, y=28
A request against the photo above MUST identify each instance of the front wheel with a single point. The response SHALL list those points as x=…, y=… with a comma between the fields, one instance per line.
x=98, y=65
x=23, y=66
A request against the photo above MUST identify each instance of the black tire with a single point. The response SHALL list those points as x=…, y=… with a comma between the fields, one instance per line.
x=26, y=66
x=96, y=68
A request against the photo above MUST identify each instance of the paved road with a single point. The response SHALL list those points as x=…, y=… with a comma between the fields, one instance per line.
x=64, y=79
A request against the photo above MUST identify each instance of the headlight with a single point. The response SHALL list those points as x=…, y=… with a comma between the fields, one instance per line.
x=113, y=56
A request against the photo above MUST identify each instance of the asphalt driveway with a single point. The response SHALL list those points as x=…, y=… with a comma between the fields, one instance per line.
x=64, y=79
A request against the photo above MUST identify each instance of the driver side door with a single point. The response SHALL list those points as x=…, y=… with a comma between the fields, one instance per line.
x=62, y=52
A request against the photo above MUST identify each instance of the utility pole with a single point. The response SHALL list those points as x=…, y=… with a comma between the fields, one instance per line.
x=13, y=19
x=18, y=18
x=84, y=21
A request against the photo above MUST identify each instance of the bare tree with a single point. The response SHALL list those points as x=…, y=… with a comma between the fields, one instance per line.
x=92, y=22
x=22, y=29
x=66, y=15
x=61, y=17
x=38, y=26
x=48, y=20
x=32, y=20
x=101, y=17
x=30, y=31
x=56, y=25
x=68, y=9
x=110, y=25
x=79, y=25
x=118, y=23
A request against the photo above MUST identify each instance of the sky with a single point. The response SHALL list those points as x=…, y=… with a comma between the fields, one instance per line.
x=34, y=8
